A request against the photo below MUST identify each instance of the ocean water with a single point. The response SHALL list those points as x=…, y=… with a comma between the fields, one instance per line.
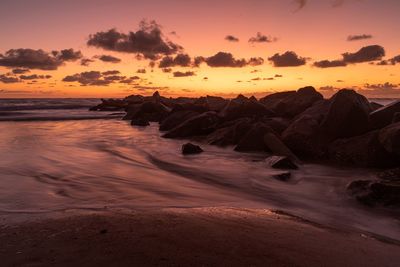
x=56, y=157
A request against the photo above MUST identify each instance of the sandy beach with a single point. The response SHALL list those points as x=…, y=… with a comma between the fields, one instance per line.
x=189, y=237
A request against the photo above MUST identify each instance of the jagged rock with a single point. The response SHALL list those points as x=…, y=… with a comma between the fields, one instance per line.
x=276, y=146
x=290, y=104
x=189, y=149
x=110, y=105
x=253, y=140
x=241, y=99
x=389, y=137
x=374, y=106
x=364, y=150
x=202, y=124
x=348, y=115
x=176, y=118
x=251, y=109
x=376, y=192
x=140, y=122
x=131, y=111
x=280, y=162
x=215, y=103
x=151, y=111
x=230, y=133
x=277, y=124
x=383, y=116
x=134, y=99
x=284, y=176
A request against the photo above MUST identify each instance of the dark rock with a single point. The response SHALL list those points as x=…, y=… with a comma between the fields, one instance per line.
x=389, y=137
x=231, y=133
x=202, y=124
x=131, y=111
x=215, y=103
x=251, y=109
x=276, y=146
x=280, y=162
x=284, y=176
x=390, y=175
x=176, y=118
x=140, y=122
x=376, y=192
x=253, y=140
x=277, y=124
x=104, y=231
x=290, y=104
x=241, y=99
x=110, y=105
x=348, y=115
x=134, y=99
x=383, y=116
x=374, y=106
x=151, y=111
x=189, y=149
x=396, y=117
x=364, y=150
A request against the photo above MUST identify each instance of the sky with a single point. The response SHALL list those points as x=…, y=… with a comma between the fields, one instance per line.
x=114, y=48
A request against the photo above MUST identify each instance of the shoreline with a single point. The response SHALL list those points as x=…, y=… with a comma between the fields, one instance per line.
x=190, y=236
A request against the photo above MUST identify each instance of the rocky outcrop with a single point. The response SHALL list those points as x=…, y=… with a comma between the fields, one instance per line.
x=230, y=133
x=190, y=149
x=376, y=192
x=253, y=140
x=280, y=162
x=240, y=109
x=140, y=122
x=110, y=105
x=176, y=118
x=389, y=137
x=383, y=116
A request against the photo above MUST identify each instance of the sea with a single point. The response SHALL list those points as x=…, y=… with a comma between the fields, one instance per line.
x=56, y=157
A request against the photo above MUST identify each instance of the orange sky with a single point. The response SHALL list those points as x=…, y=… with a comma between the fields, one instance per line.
x=318, y=31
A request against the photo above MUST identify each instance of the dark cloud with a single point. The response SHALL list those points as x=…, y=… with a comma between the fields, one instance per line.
x=20, y=71
x=288, y=59
x=278, y=76
x=108, y=58
x=114, y=78
x=111, y=72
x=329, y=63
x=198, y=60
x=391, y=61
x=184, y=74
x=182, y=60
x=34, y=77
x=255, y=61
x=167, y=70
x=143, y=71
x=261, y=38
x=300, y=3
x=269, y=79
x=37, y=59
x=223, y=59
x=150, y=88
x=358, y=37
x=380, y=90
x=86, y=61
x=8, y=79
x=231, y=38
x=365, y=54
x=148, y=41
x=130, y=80
x=88, y=78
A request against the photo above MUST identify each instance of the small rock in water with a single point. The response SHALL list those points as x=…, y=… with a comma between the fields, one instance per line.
x=284, y=176
x=189, y=148
x=279, y=162
x=140, y=122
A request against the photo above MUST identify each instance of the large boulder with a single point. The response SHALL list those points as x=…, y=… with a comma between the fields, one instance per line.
x=241, y=109
x=215, y=103
x=190, y=149
x=110, y=105
x=230, y=133
x=389, y=137
x=202, y=124
x=140, y=122
x=276, y=146
x=347, y=116
x=383, y=116
x=151, y=111
x=176, y=118
x=281, y=162
x=290, y=104
x=303, y=136
x=253, y=140
x=364, y=150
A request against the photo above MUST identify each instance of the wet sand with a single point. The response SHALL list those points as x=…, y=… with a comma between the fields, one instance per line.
x=188, y=237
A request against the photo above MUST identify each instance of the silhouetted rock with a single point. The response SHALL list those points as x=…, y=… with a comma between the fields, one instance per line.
x=176, y=118
x=396, y=117
x=276, y=123
x=276, y=146
x=215, y=103
x=280, y=162
x=202, y=124
x=140, y=122
x=284, y=176
x=238, y=109
x=383, y=116
x=241, y=99
x=189, y=149
x=348, y=115
x=230, y=133
x=134, y=99
x=390, y=175
x=151, y=111
x=273, y=100
x=253, y=140
x=131, y=111
x=110, y=105
x=376, y=192
x=374, y=106
x=389, y=137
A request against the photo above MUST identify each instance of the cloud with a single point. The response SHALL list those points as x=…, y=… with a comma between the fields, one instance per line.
x=37, y=59
x=391, y=61
x=86, y=61
x=111, y=72
x=182, y=60
x=184, y=74
x=150, y=88
x=255, y=61
x=380, y=90
x=260, y=38
x=20, y=71
x=88, y=78
x=143, y=71
x=358, y=37
x=288, y=59
x=301, y=4
x=222, y=59
x=167, y=70
x=148, y=41
x=8, y=79
x=108, y=58
x=130, y=80
x=329, y=63
x=278, y=76
x=231, y=38
x=34, y=77
x=365, y=54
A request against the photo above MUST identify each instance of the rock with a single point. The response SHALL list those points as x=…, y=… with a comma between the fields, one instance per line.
x=278, y=124
x=290, y=104
x=253, y=140
x=215, y=103
x=131, y=111
x=276, y=146
x=390, y=175
x=176, y=118
x=389, y=137
x=280, y=162
x=202, y=124
x=383, y=116
x=241, y=99
x=134, y=99
x=189, y=149
x=151, y=111
x=396, y=117
x=303, y=136
x=348, y=115
x=374, y=106
x=364, y=150
x=284, y=176
x=251, y=109
x=376, y=192
x=110, y=105
x=230, y=133
x=140, y=122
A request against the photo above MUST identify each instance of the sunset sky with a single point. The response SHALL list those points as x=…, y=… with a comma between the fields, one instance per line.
x=65, y=48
